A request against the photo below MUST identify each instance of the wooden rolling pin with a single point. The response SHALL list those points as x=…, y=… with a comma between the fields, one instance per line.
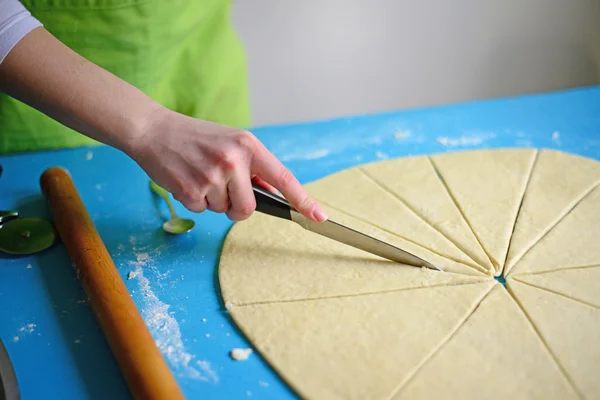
x=146, y=371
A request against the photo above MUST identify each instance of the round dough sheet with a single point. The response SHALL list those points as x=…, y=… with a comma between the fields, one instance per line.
x=338, y=323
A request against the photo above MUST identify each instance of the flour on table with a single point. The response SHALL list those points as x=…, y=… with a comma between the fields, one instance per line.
x=24, y=330
x=466, y=140
x=240, y=354
x=164, y=327
x=305, y=156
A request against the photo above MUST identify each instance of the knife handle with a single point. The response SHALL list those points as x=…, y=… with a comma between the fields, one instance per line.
x=271, y=204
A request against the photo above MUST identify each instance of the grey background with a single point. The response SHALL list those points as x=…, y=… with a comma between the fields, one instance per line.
x=322, y=59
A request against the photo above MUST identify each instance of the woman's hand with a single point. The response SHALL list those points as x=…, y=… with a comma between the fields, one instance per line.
x=211, y=166
x=204, y=165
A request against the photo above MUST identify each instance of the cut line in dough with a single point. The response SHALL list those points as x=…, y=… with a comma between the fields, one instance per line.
x=559, y=181
x=413, y=242
x=336, y=322
x=359, y=196
x=495, y=340
x=268, y=260
x=366, y=345
x=414, y=181
x=492, y=210
x=571, y=243
x=565, y=326
x=516, y=260
x=577, y=284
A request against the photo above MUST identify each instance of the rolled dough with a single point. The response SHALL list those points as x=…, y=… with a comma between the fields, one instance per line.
x=572, y=243
x=366, y=345
x=338, y=323
x=488, y=187
x=414, y=181
x=495, y=354
x=577, y=283
x=266, y=259
x=558, y=181
x=570, y=329
x=358, y=195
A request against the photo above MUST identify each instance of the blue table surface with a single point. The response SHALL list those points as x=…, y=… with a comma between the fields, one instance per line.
x=49, y=330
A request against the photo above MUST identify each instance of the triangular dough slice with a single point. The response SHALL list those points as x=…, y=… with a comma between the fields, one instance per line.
x=558, y=181
x=573, y=242
x=266, y=259
x=414, y=180
x=488, y=186
x=352, y=192
x=570, y=329
x=581, y=284
x=488, y=358
x=357, y=347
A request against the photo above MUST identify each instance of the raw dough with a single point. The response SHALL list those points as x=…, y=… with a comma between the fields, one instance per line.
x=578, y=283
x=363, y=347
x=336, y=322
x=358, y=195
x=496, y=354
x=558, y=181
x=414, y=181
x=571, y=330
x=573, y=242
x=488, y=187
x=267, y=259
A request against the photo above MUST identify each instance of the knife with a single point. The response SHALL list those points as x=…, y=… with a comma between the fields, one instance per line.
x=276, y=206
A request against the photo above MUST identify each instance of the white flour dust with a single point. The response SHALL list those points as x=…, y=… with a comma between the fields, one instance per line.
x=305, y=156
x=466, y=140
x=23, y=331
x=165, y=328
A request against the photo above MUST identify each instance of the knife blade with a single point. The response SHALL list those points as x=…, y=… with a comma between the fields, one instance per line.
x=276, y=206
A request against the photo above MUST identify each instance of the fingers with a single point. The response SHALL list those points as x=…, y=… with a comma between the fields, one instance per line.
x=196, y=205
x=218, y=199
x=193, y=200
x=241, y=195
x=265, y=164
x=257, y=180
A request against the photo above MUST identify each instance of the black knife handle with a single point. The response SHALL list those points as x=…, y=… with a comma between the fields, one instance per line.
x=271, y=204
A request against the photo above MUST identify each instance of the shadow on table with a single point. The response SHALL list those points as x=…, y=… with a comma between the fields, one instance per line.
x=80, y=331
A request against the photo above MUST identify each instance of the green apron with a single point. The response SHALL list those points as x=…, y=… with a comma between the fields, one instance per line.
x=182, y=53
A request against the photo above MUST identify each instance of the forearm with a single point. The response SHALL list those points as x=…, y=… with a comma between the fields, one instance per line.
x=45, y=74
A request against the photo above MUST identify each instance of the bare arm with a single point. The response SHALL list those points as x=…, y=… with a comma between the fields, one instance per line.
x=47, y=75
x=205, y=165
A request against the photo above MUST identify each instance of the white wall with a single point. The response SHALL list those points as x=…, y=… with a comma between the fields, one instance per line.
x=316, y=59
